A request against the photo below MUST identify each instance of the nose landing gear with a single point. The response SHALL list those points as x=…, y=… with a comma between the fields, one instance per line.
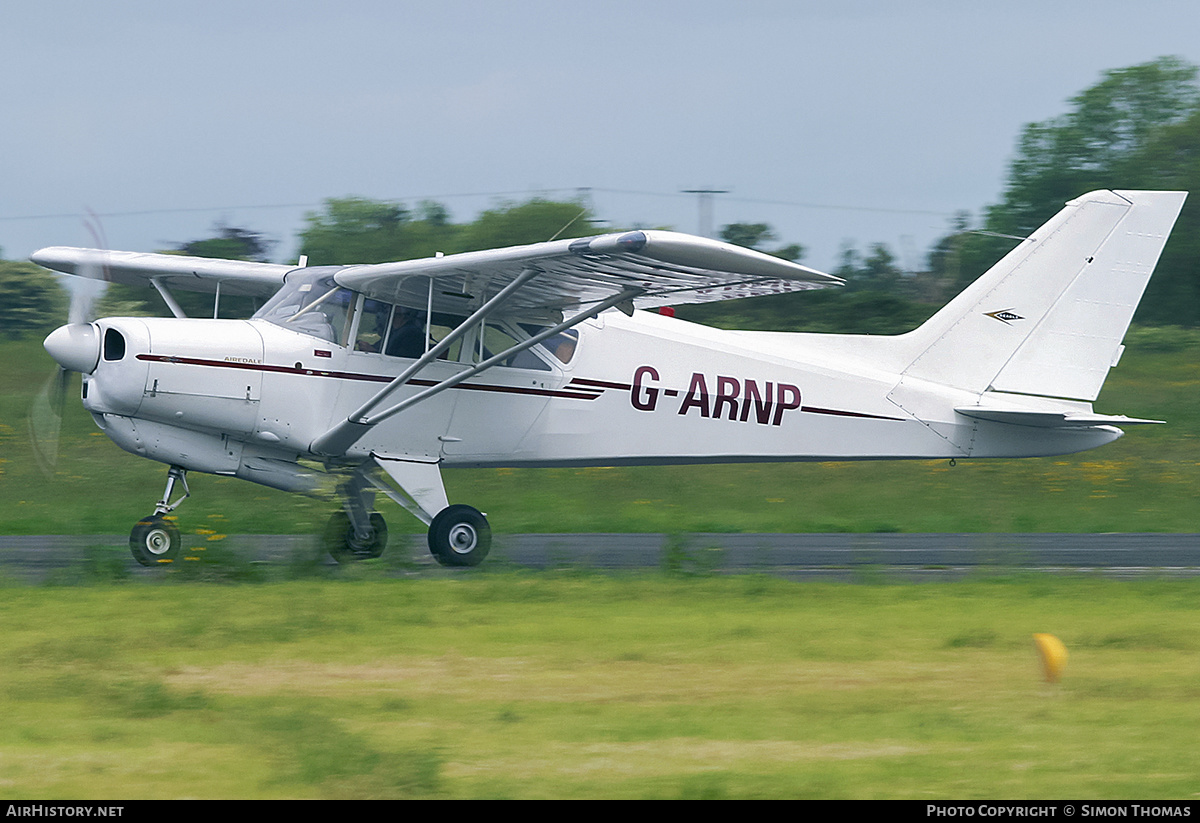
x=155, y=539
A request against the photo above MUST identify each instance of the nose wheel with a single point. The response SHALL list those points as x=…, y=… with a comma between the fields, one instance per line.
x=460, y=536
x=155, y=539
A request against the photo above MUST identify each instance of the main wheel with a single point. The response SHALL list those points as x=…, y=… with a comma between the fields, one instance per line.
x=340, y=541
x=460, y=536
x=154, y=540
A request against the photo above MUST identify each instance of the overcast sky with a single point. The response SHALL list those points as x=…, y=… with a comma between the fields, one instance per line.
x=832, y=121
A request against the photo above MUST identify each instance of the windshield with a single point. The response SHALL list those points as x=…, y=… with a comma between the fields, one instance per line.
x=311, y=303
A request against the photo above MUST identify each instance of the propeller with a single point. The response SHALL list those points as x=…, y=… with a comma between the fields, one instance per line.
x=45, y=420
x=75, y=347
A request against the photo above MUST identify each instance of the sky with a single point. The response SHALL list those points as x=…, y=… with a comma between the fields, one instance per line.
x=142, y=125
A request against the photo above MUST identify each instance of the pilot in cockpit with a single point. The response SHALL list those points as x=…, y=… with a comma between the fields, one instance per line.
x=407, y=335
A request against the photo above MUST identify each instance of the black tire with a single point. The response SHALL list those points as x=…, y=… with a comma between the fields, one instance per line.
x=460, y=536
x=155, y=540
x=339, y=538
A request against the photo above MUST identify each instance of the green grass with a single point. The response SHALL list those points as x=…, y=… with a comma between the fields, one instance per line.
x=1147, y=481
x=494, y=684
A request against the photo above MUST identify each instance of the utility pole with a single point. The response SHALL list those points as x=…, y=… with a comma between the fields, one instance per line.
x=704, y=201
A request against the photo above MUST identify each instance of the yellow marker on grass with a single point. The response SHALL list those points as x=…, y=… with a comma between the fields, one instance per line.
x=1053, y=655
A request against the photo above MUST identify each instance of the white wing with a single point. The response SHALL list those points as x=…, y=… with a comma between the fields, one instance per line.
x=667, y=268
x=174, y=271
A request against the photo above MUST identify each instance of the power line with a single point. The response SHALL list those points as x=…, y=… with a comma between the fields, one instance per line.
x=573, y=190
x=202, y=209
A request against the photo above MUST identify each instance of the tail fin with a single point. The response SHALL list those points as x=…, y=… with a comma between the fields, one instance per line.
x=1048, y=319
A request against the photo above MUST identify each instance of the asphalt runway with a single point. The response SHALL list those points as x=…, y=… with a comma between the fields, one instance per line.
x=801, y=556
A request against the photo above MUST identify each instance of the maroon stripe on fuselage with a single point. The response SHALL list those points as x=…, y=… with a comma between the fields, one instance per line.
x=600, y=384
x=838, y=413
x=580, y=394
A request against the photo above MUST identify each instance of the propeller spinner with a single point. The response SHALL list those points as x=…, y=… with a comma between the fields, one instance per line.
x=74, y=347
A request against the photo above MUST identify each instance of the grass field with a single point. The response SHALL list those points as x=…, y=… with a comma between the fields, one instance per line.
x=546, y=685
x=1147, y=481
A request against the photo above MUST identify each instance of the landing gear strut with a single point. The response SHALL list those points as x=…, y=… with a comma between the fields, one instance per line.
x=155, y=539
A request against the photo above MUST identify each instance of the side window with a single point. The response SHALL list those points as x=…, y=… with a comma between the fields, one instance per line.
x=441, y=325
x=406, y=333
x=398, y=331
x=372, y=326
x=563, y=345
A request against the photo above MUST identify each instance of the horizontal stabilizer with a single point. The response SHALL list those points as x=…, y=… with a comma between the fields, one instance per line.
x=1049, y=419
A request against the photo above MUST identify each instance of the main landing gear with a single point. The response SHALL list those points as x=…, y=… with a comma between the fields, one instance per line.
x=458, y=535
x=155, y=539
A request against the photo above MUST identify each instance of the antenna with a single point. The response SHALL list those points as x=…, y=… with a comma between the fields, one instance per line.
x=582, y=212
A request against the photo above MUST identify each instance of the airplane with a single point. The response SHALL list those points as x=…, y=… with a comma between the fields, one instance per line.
x=377, y=376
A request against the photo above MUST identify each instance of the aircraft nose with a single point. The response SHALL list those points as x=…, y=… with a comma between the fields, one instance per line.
x=75, y=346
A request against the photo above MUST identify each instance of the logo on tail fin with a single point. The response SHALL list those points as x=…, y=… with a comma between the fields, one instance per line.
x=1005, y=316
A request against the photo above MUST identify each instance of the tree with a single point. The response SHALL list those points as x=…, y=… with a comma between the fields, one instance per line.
x=31, y=301
x=878, y=272
x=534, y=221
x=355, y=230
x=1097, y=143
x=358, y=230
x=230, y=243
x=753, y=235
x=749, y=235
x=1137, y=128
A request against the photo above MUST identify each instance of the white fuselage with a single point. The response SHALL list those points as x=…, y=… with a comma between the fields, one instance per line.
x=247, y=398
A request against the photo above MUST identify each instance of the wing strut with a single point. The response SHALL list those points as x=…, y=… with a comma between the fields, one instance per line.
x=167, y=297
x=341, y=437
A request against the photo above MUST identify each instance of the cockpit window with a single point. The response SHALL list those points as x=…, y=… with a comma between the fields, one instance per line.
x=311, y=303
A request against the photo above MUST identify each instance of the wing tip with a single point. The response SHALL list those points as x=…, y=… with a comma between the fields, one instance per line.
x=629, y=242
